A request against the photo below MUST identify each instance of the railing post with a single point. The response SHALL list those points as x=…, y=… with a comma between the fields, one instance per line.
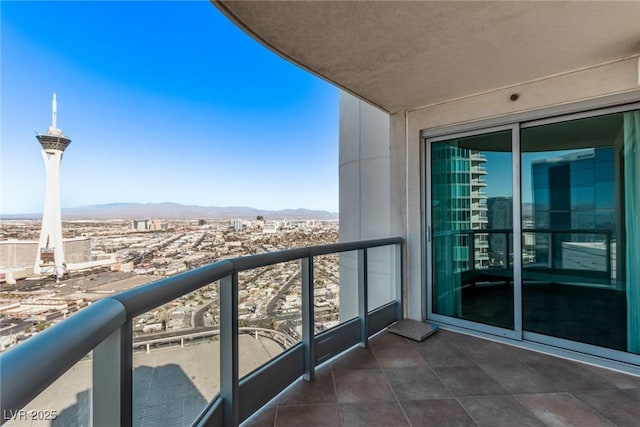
x=508, y=250
x=552, y=248
x=229, y=388
x=308, y=321
x=472, y=250
x=112, y=395
x=363, y=298
x=398, y=277
x=607, y=242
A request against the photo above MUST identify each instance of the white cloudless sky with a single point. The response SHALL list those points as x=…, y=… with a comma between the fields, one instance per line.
x=163, y=101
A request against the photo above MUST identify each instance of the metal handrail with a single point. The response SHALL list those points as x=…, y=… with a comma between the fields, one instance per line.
x=598, y=231
x=27, y=370
x=147, y=297
x=36, y=363
x=270, y=258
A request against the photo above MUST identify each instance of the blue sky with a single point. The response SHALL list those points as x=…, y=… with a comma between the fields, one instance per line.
x=499, y=172
x=163, y=101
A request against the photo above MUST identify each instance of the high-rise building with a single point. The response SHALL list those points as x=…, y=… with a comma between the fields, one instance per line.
x=479, y=208
x=500, y=217
x=575, y=191
x=460, y=204
x=50, y=256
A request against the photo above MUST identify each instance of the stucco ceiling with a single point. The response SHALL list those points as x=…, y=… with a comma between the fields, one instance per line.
x=401, y=55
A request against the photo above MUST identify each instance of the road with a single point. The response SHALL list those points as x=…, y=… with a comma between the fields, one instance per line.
x=271, y=305
x=197, y=319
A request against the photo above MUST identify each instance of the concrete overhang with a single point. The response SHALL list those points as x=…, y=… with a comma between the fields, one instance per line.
x=401, y=55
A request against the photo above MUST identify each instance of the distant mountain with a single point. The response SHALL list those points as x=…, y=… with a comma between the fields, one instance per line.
x=178, y=211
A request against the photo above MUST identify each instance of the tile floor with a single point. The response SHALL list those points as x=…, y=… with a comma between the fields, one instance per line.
x=453, y=379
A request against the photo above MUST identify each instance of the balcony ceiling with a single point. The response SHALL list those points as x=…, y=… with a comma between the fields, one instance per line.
x=405, y=55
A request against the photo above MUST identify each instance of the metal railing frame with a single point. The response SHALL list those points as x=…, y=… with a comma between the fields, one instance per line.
x=106, y=328
x=553, y=233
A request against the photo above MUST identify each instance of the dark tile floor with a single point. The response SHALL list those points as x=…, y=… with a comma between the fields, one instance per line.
x=454, y=379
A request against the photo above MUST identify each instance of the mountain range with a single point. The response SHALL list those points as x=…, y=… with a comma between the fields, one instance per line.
x=178, y=211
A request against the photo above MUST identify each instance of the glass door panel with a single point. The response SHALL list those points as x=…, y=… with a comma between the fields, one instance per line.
x=472, y=228
x=580, y=199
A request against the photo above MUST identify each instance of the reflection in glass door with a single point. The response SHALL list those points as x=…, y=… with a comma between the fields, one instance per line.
x=472, y=226
x=580, y=200
x=575, y=279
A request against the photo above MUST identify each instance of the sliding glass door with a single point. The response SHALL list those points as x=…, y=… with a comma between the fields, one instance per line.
x=472, y=228
x=569, y=188
x=580, y=234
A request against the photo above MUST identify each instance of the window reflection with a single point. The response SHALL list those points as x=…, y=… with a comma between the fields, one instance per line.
x=574, y=285
x=580, y=204
x=472, y=217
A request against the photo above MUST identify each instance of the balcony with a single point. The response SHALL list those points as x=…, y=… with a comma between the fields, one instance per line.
x=389, y=169
x=481, y=243
x=477, y=157
x=93, y=369
x=385, y=380
x=479, y=183
x=454, y=379
x=478, y=219
x=478, y=206
x=450, y=378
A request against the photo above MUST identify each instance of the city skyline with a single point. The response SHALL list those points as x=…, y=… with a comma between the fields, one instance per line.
x=199, y=115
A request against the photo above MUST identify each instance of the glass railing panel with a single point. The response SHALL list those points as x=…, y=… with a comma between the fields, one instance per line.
x=347, y=286
x=66, y=402
x=530, y=256
x=583, y=255
x=176, y=359
x=326, y=291
x=269, y=313
x=381, y=276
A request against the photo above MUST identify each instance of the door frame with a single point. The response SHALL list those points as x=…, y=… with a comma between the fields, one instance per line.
x=515, y=333
x=562, y=113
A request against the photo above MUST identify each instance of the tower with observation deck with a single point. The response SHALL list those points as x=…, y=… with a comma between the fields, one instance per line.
x=50, y=256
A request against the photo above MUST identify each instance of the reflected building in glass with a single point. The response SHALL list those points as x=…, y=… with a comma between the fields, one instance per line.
x=500, y=216
x=460, y=203
x=574, y=192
